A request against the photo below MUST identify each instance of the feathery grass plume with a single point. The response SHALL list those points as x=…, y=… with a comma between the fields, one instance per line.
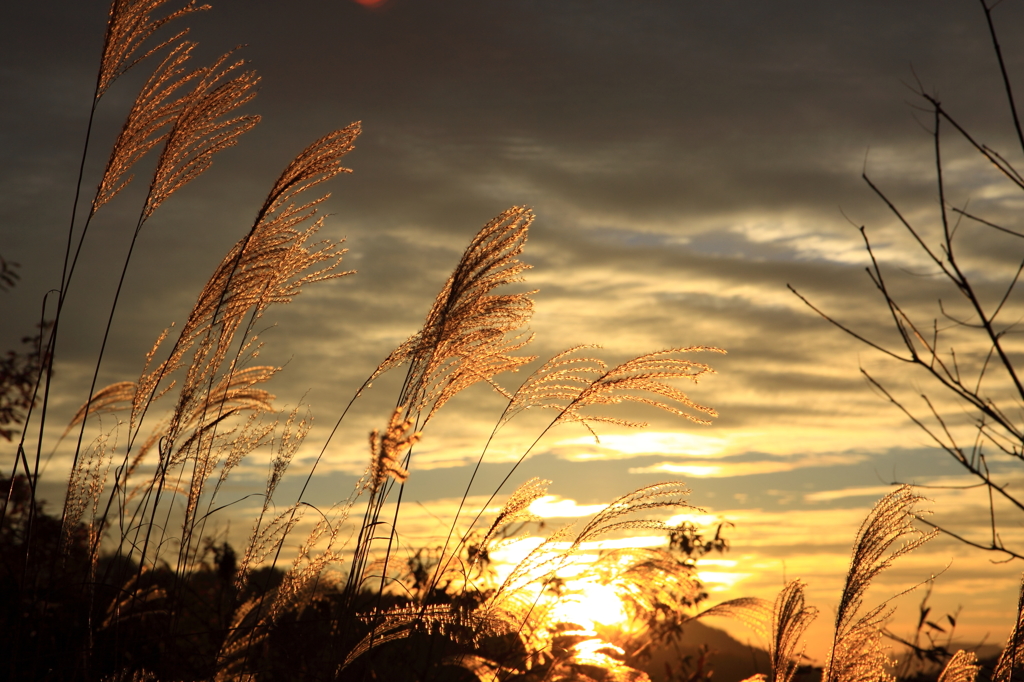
x=1012, y=656
x=389, y=456
x=235, y=392
x=858, y=653
x=541, y=564
x=145, y=127
x=234, y=445
x=464, y=338
x=129, y=25
x=790, y=619
x=271, y=264
x=754, y=612
x=553, y=385
x=657, y=588
x=537, y=566
x=303, y=581
x=963, y=667
x=85, y=486
x=388, y=450
x=264, y=539
x=517, y=505
x=400, y=622
x=199, y=132
x=265, y=267
x=242, y=636
x=135, y=601
x=556, y=383
x=253, y=435
x=665, y=495
x=645, y=373
x=237, y=444
x=288, y=444
x=113, y=398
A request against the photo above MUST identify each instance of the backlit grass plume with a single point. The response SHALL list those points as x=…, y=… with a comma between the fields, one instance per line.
x=963, y=667
x=153, y=113
x=129, y=26
x=858, y=653
x=634, y=379
x=200, y=130
x=1012, y=656
x=790, y=618
x=468, y=335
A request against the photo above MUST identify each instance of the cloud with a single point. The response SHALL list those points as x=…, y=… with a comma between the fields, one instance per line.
x=553, y=507
x=726, y=468
x=829, y=495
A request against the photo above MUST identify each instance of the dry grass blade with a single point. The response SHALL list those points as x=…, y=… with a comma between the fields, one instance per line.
x=1012, y=656
x=129, y=25
x=464, y=337
x=643, y=374
x=790, y=619
x=145, y=127
x=199, y=131
x=858, y=653
x=963, y=667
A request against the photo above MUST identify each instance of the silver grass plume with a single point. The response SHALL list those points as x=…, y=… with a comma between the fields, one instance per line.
x=963, y=667
x=199, y=131
x=857, y=653
x=401, y=621
x=152, y=114
x=467, y=336
x=387, y=450
x=129, y=25
x=790, y=619
x=646, y=373
x=556, y=383
x=269, y=265
x=1012, y=656
x=754, y=612
x=516, y=507
x=542, y=563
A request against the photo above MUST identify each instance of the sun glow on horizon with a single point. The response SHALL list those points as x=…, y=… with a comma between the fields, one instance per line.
x=591, y=604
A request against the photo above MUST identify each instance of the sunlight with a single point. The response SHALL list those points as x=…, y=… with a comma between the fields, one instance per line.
x=597, y=652
x=721, y=581
x=590, y=604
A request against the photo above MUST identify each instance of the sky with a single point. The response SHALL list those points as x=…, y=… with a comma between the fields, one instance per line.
x=685, y=161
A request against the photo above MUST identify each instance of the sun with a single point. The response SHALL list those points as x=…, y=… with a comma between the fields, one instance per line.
x=591, y=604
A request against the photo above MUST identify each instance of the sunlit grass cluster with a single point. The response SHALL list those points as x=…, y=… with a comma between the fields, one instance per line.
x=126, y=582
